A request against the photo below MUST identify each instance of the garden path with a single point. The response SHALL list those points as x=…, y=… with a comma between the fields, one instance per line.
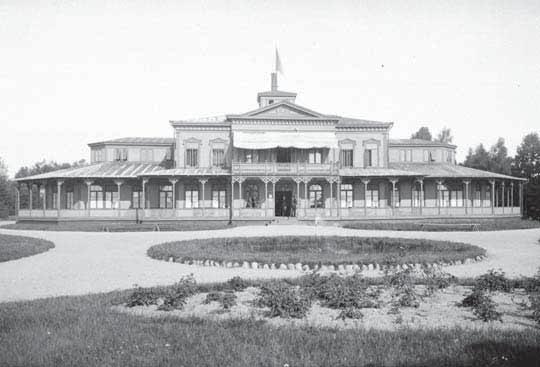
x=94, y=262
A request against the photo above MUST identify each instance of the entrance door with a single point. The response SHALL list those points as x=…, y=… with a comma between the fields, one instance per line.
x=283, y=203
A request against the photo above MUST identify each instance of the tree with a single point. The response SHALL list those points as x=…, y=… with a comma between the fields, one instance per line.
x=7, y=192
x=496, y=160
x=422, y=133
x=445, y=136
x=478, y=159
x=527, y=159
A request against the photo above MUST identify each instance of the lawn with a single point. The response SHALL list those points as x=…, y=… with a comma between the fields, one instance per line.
x=86, y=331
x=15, y=247
x=447, y=224
x=122, y=227
x=312, y=250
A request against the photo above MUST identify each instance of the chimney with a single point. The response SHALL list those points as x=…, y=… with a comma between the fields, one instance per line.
x=274, y=82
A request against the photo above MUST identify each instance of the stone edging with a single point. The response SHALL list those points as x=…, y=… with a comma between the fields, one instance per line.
x=339, y=268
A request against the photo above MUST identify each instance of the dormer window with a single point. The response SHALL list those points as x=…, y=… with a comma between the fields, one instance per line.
x=270, y=101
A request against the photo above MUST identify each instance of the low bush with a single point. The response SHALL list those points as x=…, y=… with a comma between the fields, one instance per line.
x=283, y=300
x=474, y=299
x=226, y=299
x=482, y=305
x=237, y=284
x=493, y=280
x=143, y=297
x=176, y=296
x=350, y=313
x=436, y=279
x=535, y=306
x=403, y=285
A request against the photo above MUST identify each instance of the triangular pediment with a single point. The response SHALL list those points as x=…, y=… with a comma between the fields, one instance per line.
x=283, y=109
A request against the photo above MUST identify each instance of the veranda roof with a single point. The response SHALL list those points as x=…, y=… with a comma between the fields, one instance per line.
x=446, y=170
x=100, y=170
x=284, y=139
x=211, y=171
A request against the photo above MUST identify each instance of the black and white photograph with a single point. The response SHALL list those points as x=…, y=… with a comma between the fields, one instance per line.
x=269, y=183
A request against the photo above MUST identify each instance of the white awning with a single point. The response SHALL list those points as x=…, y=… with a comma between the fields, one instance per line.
x=284, y=139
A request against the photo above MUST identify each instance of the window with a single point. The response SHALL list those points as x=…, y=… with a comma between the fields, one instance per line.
x=192, y=197
x=395, y=196
x=192, y=157
x=408, y=157
x=346, y=195
x=218, y=157
x=456, y=198
x=168, y=154
x=96, y=197
x=477, y=195
x=270, y=101
x=431, y=156
x=165, y=196
x=69, y=199
x=136, y=198
x=444, y=195
x=110, y=197
x=120, y=154
x=488, y=196
x=54, y=200
x=417, y=195
x=368, y=158
x=347, y=157
x=98, y=155
x=316, y=196
x=219, y=198
x=315, y=156
x=372, y=196
x=252, y=196
x=402, y=156
x=147, y=155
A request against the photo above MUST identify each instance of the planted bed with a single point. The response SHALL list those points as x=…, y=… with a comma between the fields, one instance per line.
x=15, y=247
x=315, y=250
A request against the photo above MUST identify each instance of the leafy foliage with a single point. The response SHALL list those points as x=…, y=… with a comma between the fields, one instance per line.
x=226, y=299
x=493, y=280
x=422, y=133
x=176, y=296
x=436, y=279
x=350, y=313
x=284, y=300
x=143, y=297
x=403, y=285
x=237, y=284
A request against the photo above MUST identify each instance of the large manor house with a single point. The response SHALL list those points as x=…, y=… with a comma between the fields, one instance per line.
x=279, y=160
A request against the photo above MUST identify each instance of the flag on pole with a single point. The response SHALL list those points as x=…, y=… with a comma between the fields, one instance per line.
x=279, y=67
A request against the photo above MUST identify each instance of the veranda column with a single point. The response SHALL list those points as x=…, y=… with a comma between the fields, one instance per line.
x=521, y=211
x=421, y=195
x=30, y=195
x=306, y=180
x=338, y=195
x=44, y=197
x=512, y=197
x=274, y=181
x=173, y=182
x=203, y=182
x=59, y=184
x=502, y=193
x=18, y=200
x=438, y=183
x=118, y=188
x=88, y=184
x=492, y=182
x=297, y=180
x=330, y=181
x=393, y=203
x=365, y=182
x=466, y=182
x=143, y=192
x=231, y=206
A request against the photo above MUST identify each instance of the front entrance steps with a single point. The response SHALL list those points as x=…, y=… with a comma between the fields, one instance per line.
x=286, y=221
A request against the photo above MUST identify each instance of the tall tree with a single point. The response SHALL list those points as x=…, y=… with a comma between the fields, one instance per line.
x=7, y=192
x=422, y=133
x=478, y=159
x=445, y=136
x=46, y=166
x=527, y=159
x=499, y=159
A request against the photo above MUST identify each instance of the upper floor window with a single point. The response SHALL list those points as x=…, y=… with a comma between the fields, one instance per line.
x=218, y=157
x=347, y=157
x=429, y=156
x=368, y=158
x=405, y=155
x=147, y=155
x=315, y=156
x=169, y=154
x=192, y=157
x=98, y=155
x=121, y=154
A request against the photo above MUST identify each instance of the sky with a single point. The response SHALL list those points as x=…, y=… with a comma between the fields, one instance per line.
x=75, y=72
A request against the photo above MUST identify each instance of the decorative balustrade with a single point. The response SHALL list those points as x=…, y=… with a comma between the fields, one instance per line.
x=284, y=169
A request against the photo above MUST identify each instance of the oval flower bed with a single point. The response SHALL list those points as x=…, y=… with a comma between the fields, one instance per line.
x=16, y=247
x=314, y=251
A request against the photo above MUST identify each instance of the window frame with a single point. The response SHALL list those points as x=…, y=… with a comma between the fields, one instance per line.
x=192, y=154
x=347, y=157
x=347, y=195
x=191, y=196
x=316, y=196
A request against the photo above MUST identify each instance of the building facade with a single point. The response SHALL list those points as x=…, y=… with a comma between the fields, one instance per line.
x=280, y=159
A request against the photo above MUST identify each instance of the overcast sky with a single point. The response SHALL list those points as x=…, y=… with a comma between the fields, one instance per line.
x=73, y=72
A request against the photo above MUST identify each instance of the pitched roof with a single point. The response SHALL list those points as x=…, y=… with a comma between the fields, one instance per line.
x=353, y=122
x=220, y=119
x=100, y=170
x=419, y=142
x=210, y=171
x=376, y=172
x=446, y=170
x=136, y=141
x=300, y=110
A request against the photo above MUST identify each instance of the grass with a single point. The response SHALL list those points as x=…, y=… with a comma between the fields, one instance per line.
x=484, y=224
x=313, y=250
x=84, y=331
x=15, y=247
x=120, y=227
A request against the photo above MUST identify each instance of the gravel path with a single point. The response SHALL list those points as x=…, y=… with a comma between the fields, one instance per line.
x=91, y=262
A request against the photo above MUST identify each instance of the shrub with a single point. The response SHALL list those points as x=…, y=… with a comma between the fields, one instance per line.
x=350, y=313
x=404, y=295
x=436, y=279
x=175, y=298
x=284, y=300
x=474, y=299
x=237, y=284
x=493, y=280
x=143, y=297
x=482, y=305
x=340, y=292
x=226, y=299
x=535, y=306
